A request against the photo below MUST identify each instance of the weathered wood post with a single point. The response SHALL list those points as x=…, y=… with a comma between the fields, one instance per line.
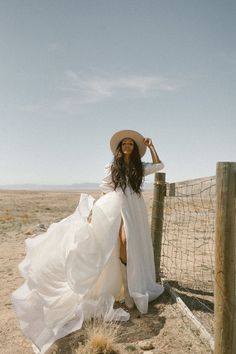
x=159, y=192
x=172, y=190
x=225, y=259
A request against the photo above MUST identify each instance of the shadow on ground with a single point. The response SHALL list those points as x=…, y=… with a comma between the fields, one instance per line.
x=196, y=300
x=138, y=328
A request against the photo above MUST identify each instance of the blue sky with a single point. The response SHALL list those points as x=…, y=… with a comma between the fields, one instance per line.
x=74, y=72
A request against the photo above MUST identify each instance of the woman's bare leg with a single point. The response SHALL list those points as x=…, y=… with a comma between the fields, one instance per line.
x=123, y=253
x=123, y=257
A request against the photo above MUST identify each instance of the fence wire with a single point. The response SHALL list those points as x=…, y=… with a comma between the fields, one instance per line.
x=187, y=260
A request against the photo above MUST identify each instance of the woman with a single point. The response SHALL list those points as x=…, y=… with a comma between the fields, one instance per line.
x=77, y=269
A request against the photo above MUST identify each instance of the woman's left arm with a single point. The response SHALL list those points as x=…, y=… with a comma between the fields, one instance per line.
x=149, y=144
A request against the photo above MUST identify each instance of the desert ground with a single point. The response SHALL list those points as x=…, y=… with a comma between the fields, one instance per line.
x=24, y=214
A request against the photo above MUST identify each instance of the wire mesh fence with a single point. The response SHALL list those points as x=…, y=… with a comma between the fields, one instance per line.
x=187, y=254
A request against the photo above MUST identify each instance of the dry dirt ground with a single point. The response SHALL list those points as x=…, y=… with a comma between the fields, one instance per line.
x=23, y=214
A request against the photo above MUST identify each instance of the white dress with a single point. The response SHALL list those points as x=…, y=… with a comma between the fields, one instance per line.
x=72, y=271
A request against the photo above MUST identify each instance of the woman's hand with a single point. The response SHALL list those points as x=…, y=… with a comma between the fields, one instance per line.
x=148, y=142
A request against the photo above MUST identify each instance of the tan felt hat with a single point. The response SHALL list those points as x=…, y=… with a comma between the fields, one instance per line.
x=122, y=134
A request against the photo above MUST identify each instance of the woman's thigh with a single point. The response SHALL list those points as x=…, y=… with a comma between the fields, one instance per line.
x=123, y=253
x=122, y=233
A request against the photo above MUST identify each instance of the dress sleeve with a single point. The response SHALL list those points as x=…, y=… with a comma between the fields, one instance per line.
x=150, y=167
x=107, y=184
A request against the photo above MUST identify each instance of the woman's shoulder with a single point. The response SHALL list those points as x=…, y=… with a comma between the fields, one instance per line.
x=151, y=167
x=108, y=166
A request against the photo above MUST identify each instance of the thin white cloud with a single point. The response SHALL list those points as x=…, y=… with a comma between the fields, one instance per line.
x=92, y=90
x=76, y=91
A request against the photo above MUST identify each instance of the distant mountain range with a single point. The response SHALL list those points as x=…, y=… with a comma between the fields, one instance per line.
x=61, y=187
x=190, y=186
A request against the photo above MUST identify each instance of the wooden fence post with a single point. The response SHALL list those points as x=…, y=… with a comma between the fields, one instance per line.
x=225, y=259
x=172, y=190
x=157, y=219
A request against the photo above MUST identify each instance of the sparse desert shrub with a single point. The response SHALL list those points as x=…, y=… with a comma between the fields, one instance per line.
x=100, y=337
x=7, y=217
x=130, y=348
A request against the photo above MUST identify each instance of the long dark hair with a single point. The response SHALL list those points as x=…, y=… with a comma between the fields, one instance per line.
x=134, y=172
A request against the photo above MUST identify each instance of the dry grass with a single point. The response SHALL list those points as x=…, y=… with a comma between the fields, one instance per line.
x=100, y=337
x=24, y=218
x=7, y=216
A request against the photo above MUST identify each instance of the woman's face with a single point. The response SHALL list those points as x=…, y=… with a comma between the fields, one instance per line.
x=127, y=146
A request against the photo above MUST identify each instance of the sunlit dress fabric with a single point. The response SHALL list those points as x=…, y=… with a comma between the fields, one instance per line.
x=72, y=271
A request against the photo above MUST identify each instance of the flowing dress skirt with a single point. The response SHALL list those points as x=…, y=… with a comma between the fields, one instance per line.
x=72, y=271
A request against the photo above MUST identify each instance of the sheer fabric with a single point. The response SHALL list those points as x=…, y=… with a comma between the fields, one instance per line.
x=72, y=271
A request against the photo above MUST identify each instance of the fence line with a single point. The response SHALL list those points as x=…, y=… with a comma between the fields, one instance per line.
x=195, y=231
x=187, y=249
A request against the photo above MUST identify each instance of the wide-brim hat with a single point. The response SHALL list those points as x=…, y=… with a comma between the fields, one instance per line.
x=122, y=134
